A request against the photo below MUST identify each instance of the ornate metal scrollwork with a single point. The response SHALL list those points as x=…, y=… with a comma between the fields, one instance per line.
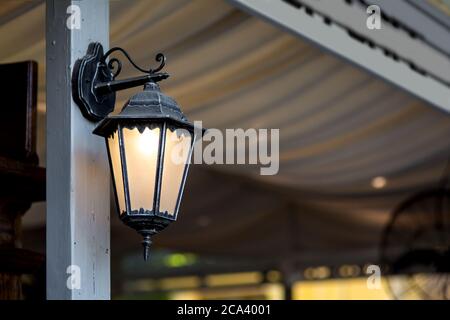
x=94, y=83
x=114, y=61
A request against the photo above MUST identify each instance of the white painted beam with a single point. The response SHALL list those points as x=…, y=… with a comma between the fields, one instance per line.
x=336, y=40
x=77, y=173
x=397, y=40
x=422, y=17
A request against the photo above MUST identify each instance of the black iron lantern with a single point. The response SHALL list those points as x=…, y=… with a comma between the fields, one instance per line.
x=149, y=142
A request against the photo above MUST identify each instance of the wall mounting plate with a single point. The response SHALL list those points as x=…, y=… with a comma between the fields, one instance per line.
x=89, y=71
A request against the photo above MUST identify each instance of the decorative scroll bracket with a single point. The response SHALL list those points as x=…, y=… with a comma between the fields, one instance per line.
x=93, y=80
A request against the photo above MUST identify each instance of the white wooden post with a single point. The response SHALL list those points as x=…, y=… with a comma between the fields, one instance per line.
x=78, y=254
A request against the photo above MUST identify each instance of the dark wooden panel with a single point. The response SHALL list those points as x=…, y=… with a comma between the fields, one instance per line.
x=10, y=287
x=21, y=179
x=18, y=89
x=20, y=261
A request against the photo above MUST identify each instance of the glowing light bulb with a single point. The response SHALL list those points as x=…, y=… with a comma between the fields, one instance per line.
x=148, y=141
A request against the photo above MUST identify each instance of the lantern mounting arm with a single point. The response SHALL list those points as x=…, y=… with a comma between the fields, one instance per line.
x=117, y=85
x=94, y=83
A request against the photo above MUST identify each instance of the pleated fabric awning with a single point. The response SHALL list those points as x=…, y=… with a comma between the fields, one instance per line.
x=339, y=128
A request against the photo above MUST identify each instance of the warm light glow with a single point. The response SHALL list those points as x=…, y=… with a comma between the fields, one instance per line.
x=228, y=279
x=148, y=142
x=179, y=282
x=321, y=272
x=270, y=291
x=141, y=153
x=274, y=276
x=379, y=182
x=114, y=151
x=349, y=270
x=178, y=144
x=338, y=289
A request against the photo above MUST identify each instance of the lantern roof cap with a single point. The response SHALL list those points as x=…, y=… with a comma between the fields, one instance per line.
x=149, y=104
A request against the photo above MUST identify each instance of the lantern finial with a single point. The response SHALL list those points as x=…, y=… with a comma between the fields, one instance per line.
x=146, y=242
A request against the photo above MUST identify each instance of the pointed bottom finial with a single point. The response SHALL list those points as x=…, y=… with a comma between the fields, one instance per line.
x=146, y=242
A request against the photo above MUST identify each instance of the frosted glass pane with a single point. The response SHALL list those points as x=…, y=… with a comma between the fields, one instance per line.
x=178, y=144
x=114, y=152
x=141, y=153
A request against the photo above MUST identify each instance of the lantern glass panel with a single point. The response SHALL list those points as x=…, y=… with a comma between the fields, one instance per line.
x=114, y=153
x=176, y=158
x=141, y=154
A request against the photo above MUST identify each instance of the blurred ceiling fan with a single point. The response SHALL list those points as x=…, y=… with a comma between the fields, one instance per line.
x=415, y=245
